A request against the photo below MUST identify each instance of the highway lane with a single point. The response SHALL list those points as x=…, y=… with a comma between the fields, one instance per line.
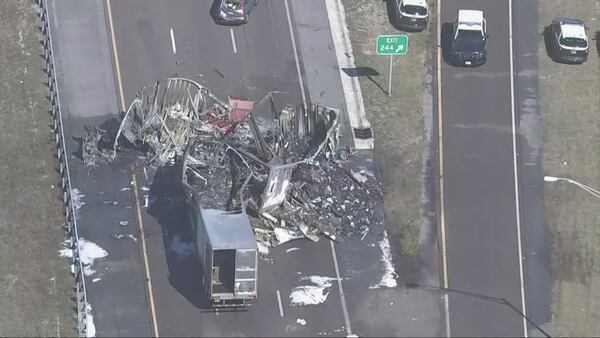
x=482, y=243
x=262, y=61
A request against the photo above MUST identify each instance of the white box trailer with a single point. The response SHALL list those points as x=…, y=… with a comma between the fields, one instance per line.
x=228, y=252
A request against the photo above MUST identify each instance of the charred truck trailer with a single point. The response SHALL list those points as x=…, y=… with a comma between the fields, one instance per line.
x=228, y=253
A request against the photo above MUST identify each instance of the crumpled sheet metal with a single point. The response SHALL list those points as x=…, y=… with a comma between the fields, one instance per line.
x=286, y=170
x=164, y=117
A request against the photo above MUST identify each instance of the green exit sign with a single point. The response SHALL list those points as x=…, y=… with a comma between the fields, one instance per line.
x=392, y=45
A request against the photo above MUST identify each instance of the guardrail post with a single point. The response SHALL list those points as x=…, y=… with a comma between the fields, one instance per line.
x=65, y=181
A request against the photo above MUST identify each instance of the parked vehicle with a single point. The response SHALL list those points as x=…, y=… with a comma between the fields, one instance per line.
x=411, y=15
x=567, y=40
x=468, y=46
x=234, y=12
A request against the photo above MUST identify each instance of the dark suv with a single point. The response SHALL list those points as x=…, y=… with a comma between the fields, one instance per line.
x=566, y=40
x=234, y=12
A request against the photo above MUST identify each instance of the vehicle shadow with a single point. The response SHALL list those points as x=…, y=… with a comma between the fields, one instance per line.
x=446, y=42
x=547, y=34
x=597, y=38
x=167, y=205
x=392, y=13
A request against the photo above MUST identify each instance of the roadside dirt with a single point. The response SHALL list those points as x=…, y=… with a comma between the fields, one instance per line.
x=570, y=107
x=35, y=284
x=399, y=122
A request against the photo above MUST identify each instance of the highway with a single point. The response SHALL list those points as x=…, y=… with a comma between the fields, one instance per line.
x=246, y=61
x=150, y=286
x=480, y=217
x=157, y=39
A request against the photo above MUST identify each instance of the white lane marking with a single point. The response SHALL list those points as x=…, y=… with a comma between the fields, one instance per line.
x=279, y=302
x=342, y=296
x=355, y=106
x=289, y=20
x=441, y=173
x=145, y=173
x=233, y=40
x=173, y=46
x=515, y=168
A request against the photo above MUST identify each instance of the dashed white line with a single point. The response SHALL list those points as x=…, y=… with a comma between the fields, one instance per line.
x=279, y=302
x=289, y=19
x=173, y=46
x=233, y=40
x=342, y=296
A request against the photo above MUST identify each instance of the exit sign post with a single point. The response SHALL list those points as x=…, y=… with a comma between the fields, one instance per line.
x=391, y=45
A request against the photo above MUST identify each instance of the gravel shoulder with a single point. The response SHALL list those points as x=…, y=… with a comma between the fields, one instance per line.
x=35, y=284
x=570, y=108
x=400, y=122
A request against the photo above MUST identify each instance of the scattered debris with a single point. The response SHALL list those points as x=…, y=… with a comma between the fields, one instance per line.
x=301, y=321
x=262, y=248
x=123, y=223
x=283, y=166
x=123, y=236
x=96, y=146
x=126, y=189
x=388, y=280
x=311, y=294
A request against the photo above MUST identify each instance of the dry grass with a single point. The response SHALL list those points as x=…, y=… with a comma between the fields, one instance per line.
x=35, y=285
x=570, y=107
x=398, y=120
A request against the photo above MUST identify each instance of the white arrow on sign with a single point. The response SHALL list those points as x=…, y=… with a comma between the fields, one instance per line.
x=400, y=47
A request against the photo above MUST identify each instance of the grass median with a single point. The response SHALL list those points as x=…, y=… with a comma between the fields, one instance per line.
x=35, y=284
x=570, y=108
x=397, y=120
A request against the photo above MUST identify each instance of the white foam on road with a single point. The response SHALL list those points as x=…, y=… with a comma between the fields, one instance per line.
x=76, y=199
x=311, y=294
x=88, y=253
x=388, y=280
x=89, y=322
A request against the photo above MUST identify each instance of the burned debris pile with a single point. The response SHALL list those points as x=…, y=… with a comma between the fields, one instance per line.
x=284, y=167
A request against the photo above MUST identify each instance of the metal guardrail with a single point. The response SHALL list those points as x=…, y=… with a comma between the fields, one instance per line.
x=65, y=177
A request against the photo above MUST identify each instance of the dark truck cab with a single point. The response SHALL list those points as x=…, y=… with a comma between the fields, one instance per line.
x=469, y=39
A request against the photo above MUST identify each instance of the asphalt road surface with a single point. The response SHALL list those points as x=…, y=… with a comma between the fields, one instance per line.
x=480, y=213
x=246, y=61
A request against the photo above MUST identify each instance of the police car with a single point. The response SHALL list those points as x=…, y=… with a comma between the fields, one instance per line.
x=567, y=41
x=411, y=14
x=469, y=40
